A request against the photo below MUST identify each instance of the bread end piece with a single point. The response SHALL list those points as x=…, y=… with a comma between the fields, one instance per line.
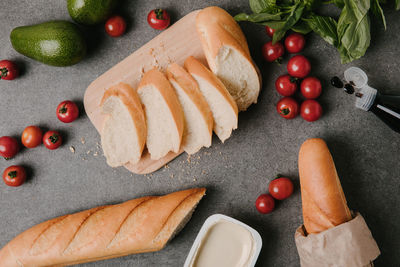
x=228, y=55
x=323, y=200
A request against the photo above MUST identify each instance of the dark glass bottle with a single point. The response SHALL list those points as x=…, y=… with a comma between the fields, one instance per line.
x=387, y=108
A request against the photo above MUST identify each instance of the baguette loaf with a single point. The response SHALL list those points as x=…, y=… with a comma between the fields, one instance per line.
x=228, y=55
x=136, y=226
x=164, y=114
x=222, y=105
x=323, y=200
x=124, y=132
x=198, y=117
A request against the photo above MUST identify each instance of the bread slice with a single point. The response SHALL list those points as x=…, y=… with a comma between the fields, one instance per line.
x=164, y=115
x=140, y=225
x=228, y=55
x=123, y=135
x=222, y=105
x=198, y=117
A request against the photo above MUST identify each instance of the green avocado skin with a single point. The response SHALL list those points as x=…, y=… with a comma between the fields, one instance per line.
x=56, y=43
x=90, y=12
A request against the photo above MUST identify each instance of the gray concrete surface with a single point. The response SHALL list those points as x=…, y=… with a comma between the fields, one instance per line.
x=366, y=152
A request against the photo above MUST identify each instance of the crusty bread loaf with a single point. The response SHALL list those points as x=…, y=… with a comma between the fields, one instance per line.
x=198, y=117
x=323, y=200
x=124, y=131
x=136, y=226
x=222, y=105
x=164, y=115
x=228, y=56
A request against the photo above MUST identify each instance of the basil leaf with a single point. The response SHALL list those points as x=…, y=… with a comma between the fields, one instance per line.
x=261, y=17
x=339, y=3
x=301, y=27
x=274, y=24
x=261, y=6
x=291, y=20
x=354, y=30
x=397, y=4
x=326, y=27
x=378, y=12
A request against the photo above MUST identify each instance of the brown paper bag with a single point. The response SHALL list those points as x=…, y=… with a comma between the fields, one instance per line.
x=347, y=245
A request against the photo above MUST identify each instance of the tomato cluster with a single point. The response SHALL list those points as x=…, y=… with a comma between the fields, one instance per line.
x=32, y=136
x=280, y=188
x=299, y=68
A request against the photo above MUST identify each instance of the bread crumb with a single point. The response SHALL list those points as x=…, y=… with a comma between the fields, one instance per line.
x=171, y=176
x=194, y=179
x=83, y=140
x=95, y=154
x=188, y=159
x=72, y=149
x=83, y=159
x=88, y=152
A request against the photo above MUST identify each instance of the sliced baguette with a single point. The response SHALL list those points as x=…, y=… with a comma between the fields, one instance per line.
x=123, y=134
x=222, y=105
x=228, y=55
x=164, y=115
x=140, y=225
x=198, y=117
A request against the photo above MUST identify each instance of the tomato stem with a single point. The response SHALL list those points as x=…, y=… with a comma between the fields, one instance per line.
x=12, y=174
x=63, y=109
x=53, y=138
x=278, y=176
x=4, y=72
x=285, y=111
x=159, y=13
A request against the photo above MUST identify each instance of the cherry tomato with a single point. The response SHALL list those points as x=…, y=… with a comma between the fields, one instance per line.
x=281, y=188
x=310, y=110
x=8, y=70
x=269, y=31
x=299, y=66
x=294, y=43
x=9, y=147
x=286, y=85
x=52, y=140
x=272, y=52
x=115, y=26
x=311, y=88
x=31, y=136
x=67, y=111
x=14, y=175
x=288, y=108
x=158, y=19
x=265, y=203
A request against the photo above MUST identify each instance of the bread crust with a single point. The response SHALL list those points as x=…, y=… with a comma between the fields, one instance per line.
x=131, y=100
x=323, y=200
x=136, y=226
x=189, y=85
x=158, y=79
x=194, y=66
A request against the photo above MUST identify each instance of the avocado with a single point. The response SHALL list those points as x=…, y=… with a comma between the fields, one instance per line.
x=90, y=12
x=56, y=43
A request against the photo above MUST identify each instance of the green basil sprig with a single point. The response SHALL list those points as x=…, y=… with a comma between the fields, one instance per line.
x=350, y=34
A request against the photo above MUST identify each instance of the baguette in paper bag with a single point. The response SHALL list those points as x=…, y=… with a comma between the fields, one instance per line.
x=330, y=235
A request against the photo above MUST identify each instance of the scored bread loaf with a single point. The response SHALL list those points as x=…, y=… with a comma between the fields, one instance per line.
x=123, y=135
x=228, y=55
x=136, y=226
x=164, y=115
x=198, y=117
x=323, y=200
x=222, y=105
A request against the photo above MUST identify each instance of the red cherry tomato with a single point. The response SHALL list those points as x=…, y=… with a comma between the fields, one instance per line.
x=67, y=111
x=265, y=203
x=8, y=70
x=158, y=19
x=272, y=52
x=294, y=43
x=311, y=110
x=311, y=88
x=9, y=147
x=299, y=66
x=288, y=108
x=269, y=31
x=286, y=85
x=14, y=175
x=281, y=188
x=31, y=136
x=115, y=26
x=52, y=140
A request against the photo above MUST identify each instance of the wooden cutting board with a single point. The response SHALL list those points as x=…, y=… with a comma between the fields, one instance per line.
x=172, y=45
